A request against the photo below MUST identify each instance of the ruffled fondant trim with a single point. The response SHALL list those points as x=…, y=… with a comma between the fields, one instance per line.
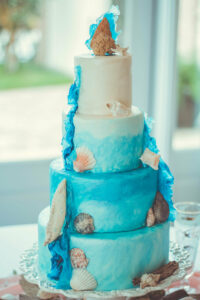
x=67, y=140
x=111, y=16
x=165, y=177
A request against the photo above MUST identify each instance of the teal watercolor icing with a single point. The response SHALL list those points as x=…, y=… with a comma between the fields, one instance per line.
x=116, y=201
x=114, y=258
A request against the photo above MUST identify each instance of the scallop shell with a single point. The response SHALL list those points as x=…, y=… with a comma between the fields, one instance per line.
x=150, y=158
x=82, y=280
x=78, y=258
x=57, y=213
x=160, y=208
x=150, y=221
x=118, y=109
x=149, y=280
x=84, y=160
x=84, y=223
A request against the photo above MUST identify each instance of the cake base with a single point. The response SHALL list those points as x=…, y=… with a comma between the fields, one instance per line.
x=28, y=265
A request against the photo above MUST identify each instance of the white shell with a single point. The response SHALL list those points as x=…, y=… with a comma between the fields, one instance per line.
x=118, y=109
x=84, y=160
x=149, y=280
x=151, y=219
x=150, y=158
x=120, y=51
x=82, y=280
x=57, y=214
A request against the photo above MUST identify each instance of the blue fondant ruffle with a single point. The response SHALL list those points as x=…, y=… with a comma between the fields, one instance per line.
x=67, y=140
x=61, y=269
x=165, y=177
x=111, y=16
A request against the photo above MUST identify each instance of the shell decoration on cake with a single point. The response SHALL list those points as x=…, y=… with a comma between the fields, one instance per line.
x=82, y=280
x=102, y=41
x=160, y=208
x=84, y=223
x=149, y=280
x=150, y=158
x=150, y=221
x=120, y=51
x=57, y=213
x=78, y=258
x=118, y=109
x=84, y=160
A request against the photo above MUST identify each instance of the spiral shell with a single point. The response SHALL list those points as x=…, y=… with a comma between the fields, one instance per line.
x=84, y=160
x=83, y=223
x=160, y=208
x=78, y=258
x=150, y=221
x=82, y=280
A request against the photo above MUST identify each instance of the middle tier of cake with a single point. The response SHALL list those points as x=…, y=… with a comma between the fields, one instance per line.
x=115, y=201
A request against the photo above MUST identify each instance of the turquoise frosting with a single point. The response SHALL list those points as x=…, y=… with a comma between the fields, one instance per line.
x=116, y=201
x=114, y=258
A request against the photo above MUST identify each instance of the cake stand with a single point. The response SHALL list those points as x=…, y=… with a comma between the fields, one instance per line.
x=28, y=265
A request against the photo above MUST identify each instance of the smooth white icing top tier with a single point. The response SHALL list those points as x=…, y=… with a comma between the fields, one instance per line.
x=104, y=79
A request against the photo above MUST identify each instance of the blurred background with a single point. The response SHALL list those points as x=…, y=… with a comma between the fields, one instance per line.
x=38, y=40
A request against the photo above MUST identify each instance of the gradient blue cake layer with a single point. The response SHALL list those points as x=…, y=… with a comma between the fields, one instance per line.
x=116, y=201
x=116, y=142
x=114, y=258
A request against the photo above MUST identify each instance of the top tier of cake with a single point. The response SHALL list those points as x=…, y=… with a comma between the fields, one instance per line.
x=104, y=79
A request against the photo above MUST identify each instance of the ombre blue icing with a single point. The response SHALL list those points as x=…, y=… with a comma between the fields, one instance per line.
x=114, y=258
x=116, y=201
x=67, y=140
x=116, y=143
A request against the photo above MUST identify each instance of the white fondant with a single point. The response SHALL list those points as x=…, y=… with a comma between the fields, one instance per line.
x=103, y=79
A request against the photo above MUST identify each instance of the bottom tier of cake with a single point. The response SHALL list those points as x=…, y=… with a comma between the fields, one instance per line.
x=114, y=259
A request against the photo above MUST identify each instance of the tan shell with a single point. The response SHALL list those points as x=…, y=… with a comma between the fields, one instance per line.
x=160, y=208
x=120, y=51
x=102, y=41
x=82, y=280
x=150, y=221
x=150, y=158
x=84, y=160
x=57, y=213
x=78, y=258
x=84, y=223
x=45, y=295
x=149, y=280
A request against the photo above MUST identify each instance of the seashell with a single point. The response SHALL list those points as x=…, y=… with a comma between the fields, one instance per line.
x=84, y=223
x=118, y=109
x=82, y=280
x=45, y=295
x=160, y=208
x=150, y=158
x=57, y=213
x=78, y=258
x=120, y=51
x=102, y=41
x=84, y=160
x=150, y=221
x=149, y=280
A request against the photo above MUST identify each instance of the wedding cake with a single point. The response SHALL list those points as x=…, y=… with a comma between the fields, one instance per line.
x=110, y=193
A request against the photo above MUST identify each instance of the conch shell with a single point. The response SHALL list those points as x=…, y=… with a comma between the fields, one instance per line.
x=82, y=280
x=84, y=160
x=118, y=109
x=150, y=158
x=57, y=214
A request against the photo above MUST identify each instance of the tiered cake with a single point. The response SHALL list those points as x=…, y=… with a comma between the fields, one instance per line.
x=107, y=221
